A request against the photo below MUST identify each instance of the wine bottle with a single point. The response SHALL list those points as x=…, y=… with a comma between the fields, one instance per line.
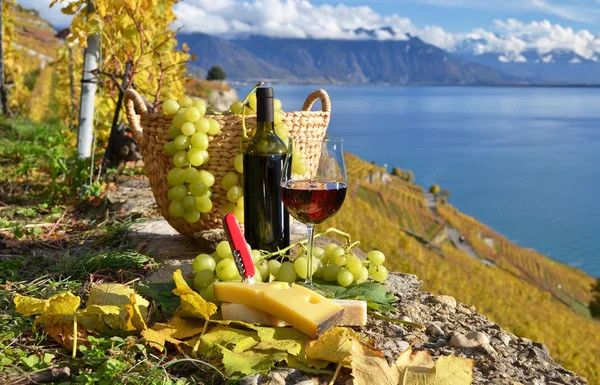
x=266, y=224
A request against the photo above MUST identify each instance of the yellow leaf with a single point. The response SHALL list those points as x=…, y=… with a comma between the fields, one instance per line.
x=71, y=8
x=116, y=294
x=220, y=337
x=59, y=307
x=448, y=370
x=284, y=339
x=62, y=333
x=158, y=335
x=370, y=367
x=186, y=328
x=333, y=346
x=192, y=304
x=28, y=306
x=98, y=318
x=410, y=358
x=250, y=362
x=132, y=317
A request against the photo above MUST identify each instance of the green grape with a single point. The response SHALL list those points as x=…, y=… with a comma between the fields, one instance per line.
x=173, y=132
x=189, y=202
x=334, y=252
x=229, y=208
x=257, y=276
x=239, y=214
x=256, y=256
x=203, y=278
x=188, y=129
x=263, y=268
x=235, y=193
x=276, y=104
x=216, y=257
x=206, y=156
x=236, y=107
x=250, y=111
x=203, y=204
x=203, y=262
x=300, y=265
x=182, y=142
x=226, y=270
x=170, y=107
x=240, y=202
x=176, y=176
x=238, y=163
x=178, y=120
x=199, y=141
x=223, y=249
x=330, y=272
x=376, y=257
x=276, y=117
x=282, y=134
x=195, y=157
x=286, y=272
x=215, y=127
x=354, y=264
x=207, y=178
x=191, y=216
x=363, y=275
x=185, y=101
x=202, y=126
x=208, y=293
x=229, y=180
x=176, y=209
x=180, y=159
x=345, y=277
x=340, y=260
x=177, y=193
x=252, y=101
x=169, y=149
x=318, y=272
x=379, y=273
x=273, y=265
x=198, y=189
x=192, y=114
x=318, y=252
x=191, y=175
x=299, y=168
x=199, y=105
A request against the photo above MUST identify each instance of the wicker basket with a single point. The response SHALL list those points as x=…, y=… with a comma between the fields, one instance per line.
x=150, y=132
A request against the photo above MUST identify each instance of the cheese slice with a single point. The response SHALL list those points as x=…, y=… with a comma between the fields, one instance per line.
x=301, y=308
x=355, y=313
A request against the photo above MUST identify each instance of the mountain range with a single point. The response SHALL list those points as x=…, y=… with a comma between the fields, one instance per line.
x=367, y=60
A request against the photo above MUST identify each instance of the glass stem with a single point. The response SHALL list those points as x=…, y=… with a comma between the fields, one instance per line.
x=310, y=228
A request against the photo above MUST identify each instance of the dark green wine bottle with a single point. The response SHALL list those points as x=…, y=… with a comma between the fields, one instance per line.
x=266, y=221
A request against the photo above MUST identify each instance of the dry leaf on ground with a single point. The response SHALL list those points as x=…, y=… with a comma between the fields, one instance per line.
x=192, y=304
x=250, y=362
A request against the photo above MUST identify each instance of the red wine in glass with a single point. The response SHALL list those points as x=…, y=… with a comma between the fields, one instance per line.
x=311, y=201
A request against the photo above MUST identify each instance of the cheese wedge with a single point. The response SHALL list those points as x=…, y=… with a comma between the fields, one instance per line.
x=355, y=313
x=301, y=308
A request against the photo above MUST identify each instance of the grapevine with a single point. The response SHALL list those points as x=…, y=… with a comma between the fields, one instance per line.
x=132, y=31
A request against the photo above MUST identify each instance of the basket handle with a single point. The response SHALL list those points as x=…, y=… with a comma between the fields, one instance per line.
x=312, y=98
x=134, y=104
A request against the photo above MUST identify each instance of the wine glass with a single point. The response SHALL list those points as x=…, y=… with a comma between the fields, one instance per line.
x=312, y=194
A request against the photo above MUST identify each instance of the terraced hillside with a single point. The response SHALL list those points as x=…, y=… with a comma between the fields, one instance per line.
x=514, y=301
x=570, y=285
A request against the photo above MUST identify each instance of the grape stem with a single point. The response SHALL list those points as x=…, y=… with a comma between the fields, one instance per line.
x=244, y=130
x=302, y=243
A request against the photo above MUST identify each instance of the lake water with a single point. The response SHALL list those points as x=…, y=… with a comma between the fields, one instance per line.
x=525, y=161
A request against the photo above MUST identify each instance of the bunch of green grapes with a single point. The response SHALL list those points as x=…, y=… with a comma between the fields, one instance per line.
x=220, y=266
x=334, y=264
x=190, y=135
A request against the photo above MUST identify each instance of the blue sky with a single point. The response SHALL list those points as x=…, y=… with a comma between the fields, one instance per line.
x=464, y=15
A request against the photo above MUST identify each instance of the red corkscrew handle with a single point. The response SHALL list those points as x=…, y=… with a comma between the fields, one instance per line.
x=241, y=252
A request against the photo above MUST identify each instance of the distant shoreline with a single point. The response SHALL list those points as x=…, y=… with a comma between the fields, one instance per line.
x=321, y=82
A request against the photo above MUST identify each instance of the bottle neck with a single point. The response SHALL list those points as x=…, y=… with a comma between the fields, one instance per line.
x=264, y=127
